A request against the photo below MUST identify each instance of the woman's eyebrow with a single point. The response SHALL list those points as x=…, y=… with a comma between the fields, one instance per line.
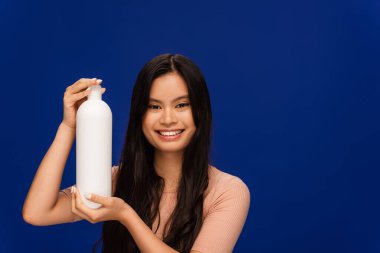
x=178, y=98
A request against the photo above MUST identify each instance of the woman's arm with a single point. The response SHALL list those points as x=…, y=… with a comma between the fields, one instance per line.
x=44, y=190
x=145, y=239
x=44, y=204
x=114, y=208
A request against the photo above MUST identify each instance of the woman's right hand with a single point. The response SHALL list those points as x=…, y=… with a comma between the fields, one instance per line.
x=74, y=96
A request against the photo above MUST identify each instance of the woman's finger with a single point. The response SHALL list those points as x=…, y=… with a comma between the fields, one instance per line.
x=104, y=201
x=81, y=96
x=78, y=96
x=74, y=208
x=82, y=207
x=82, y=84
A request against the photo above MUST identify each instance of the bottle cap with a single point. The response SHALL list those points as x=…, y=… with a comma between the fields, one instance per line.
x=95, y=92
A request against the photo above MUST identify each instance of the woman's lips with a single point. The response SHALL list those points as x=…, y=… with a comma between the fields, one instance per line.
x=170, y=137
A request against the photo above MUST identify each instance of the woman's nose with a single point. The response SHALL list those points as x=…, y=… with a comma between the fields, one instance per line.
x=168, y=116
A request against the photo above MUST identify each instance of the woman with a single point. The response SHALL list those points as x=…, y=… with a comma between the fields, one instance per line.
x=166, y=195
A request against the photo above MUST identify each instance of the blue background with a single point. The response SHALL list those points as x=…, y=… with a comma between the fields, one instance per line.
x=295, y=96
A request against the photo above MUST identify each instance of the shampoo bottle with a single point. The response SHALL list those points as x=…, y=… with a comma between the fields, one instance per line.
x=94, y=147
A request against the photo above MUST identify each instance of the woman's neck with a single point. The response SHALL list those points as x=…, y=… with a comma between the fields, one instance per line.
x=169, y=167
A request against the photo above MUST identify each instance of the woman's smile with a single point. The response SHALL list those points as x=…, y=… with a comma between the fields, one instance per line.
x=170, y=135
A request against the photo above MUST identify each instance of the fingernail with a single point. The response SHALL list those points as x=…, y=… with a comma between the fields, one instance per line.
x=99, y=81
x=94, y=78
x=72, y=189
x=88, y=196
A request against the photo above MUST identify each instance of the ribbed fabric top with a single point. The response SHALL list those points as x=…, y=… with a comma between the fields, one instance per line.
x=225, y=210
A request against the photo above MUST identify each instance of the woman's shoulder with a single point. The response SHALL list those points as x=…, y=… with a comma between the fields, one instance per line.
x=221, y=182
x=219, y=177
x=225, y=192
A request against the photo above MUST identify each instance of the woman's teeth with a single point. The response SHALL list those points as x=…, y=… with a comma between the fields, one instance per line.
x=171, y=133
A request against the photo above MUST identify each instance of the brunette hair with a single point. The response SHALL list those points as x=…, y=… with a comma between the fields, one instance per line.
x=137, y=182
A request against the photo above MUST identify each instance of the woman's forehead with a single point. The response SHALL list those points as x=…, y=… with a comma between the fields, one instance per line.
x=168, y=88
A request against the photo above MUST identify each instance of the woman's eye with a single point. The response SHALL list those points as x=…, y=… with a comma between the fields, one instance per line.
x=154, y=107
x=183, y=105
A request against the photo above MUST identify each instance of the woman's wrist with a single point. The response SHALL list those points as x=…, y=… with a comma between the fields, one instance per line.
x=67, y=129
x=67, y=126
x=65, y=133
x=126, y=215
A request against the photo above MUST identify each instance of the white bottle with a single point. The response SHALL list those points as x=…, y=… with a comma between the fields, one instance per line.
x=94, y=147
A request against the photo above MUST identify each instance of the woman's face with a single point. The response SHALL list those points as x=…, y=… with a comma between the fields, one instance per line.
x=168, y=122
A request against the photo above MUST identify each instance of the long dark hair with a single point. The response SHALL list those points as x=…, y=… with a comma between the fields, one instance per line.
x=137, y=182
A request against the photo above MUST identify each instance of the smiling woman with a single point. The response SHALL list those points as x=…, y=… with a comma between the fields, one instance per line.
x=168, y=123
x=166, y=195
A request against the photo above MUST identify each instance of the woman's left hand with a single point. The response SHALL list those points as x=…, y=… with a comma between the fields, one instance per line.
x=112, y=207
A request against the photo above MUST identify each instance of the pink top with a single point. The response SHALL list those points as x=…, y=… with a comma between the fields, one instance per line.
x=225, y=210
